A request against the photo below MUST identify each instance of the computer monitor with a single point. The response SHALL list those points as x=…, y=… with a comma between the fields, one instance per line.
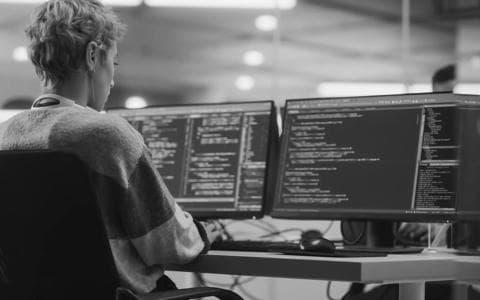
x=370, y=158
x=468, y=203
x=213, y=157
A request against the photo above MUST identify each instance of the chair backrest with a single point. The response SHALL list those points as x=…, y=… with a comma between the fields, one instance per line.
x=52, y=240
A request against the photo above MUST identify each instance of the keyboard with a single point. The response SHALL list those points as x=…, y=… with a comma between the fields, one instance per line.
x=288, y=247
x=388, y=250
x=254, y=245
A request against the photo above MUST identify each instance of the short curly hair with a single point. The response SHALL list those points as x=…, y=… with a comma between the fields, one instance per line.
x=60, y=31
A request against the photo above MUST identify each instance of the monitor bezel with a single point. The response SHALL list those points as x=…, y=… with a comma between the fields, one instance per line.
x=468, y=216
x=206, y=215
x=466, y=211
x=419, y=216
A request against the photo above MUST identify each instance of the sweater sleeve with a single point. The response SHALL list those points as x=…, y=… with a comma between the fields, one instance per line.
x=135, y=203
x=160, y=230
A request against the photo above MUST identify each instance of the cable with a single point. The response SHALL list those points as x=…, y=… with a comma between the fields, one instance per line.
x=247, y=293
x=280, y=232
x=236, y=284
x=271, y=229
x=199, y=279
x=441, y=235
x=247, y=280
x=203, y=282
x=355, y=288
x=326, y=230
x=328, y=291
x=236, y=281
x=268, y=227
x=360, y=236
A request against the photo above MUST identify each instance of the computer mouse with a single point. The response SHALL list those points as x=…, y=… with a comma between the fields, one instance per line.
x=317, y=244
x=311, y=234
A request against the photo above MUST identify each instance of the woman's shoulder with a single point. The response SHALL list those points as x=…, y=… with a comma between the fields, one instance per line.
x=107, y=143
x=86, y=125
x=92, y=120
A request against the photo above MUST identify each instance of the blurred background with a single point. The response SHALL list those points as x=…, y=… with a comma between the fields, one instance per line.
x=179, y=51
x=197, y=51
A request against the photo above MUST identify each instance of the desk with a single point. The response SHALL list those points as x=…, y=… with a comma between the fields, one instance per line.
x=468, y=268
x=410, y=271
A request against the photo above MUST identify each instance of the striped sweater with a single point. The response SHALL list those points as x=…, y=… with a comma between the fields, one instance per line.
x=145, y=226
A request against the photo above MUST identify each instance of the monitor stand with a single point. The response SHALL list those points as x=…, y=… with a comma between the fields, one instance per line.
x=380, y=234
x=380, y=237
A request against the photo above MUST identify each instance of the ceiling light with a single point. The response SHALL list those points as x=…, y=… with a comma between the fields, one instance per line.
x=122, y=2
x=135, y=102
x=266, y=23
x=467, y=88
x=475, y=60
x=253, y=58
x=420, y=88
x=245, y=4
x=106, y=2
x=345, y=89
x=20, y=54
x=244, y=83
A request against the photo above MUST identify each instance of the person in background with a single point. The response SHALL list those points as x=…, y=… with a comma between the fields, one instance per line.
x=73, y=46
x=444, y=79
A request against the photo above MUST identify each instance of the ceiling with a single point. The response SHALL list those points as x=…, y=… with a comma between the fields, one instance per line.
x=184, y=55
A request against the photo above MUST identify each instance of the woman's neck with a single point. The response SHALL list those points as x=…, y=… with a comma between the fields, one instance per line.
x=73, y=89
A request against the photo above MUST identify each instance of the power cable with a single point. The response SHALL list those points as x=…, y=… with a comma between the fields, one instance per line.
x=247, y=294
x=237, y=283
x=328, y=291
x=345, y=236
x=326, y=230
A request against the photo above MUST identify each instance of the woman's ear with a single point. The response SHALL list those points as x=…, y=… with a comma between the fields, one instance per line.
x=91, y=56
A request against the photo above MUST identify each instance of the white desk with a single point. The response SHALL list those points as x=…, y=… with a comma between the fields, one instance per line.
x=468, y=268
x=410, y=271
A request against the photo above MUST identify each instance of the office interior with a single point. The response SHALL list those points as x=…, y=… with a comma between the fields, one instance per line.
x=223, y=51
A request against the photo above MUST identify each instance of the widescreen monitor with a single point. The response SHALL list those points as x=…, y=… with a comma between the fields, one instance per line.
x=213, y=157
x=390, y=157
x=468, y=203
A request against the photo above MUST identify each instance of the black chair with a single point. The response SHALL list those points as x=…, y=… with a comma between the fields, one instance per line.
x=53, y=244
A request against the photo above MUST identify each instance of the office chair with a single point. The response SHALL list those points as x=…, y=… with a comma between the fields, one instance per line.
x=53, y=245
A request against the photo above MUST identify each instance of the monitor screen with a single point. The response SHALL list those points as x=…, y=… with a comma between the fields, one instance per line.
x=468, y=203
x=212, y=157
x=380, y=157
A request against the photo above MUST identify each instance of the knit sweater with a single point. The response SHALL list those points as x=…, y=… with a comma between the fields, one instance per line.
x=145, y=227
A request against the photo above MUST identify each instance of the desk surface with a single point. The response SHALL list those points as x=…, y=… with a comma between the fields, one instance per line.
x=468, y=268
x=393, y=268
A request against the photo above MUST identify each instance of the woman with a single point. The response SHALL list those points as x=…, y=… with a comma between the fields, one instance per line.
x=74, y=51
